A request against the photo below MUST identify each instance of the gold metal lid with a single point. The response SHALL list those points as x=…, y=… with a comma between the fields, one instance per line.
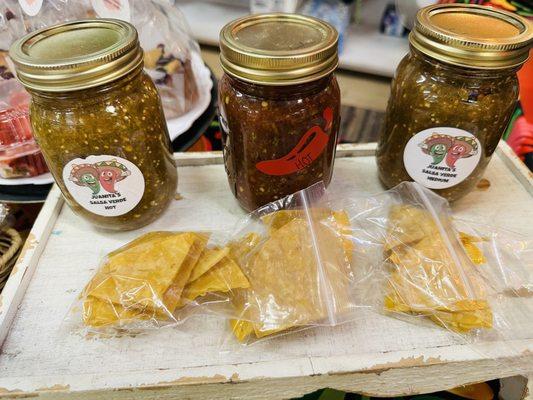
x=278, y=49
x=472, y=36
x=76, y=55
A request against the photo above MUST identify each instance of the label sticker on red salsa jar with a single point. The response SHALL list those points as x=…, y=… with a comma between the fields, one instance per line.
x=310, y=146
x=104, y=185
x=441, y=157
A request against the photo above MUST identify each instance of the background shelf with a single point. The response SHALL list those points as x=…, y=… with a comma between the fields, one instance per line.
x=365, y=48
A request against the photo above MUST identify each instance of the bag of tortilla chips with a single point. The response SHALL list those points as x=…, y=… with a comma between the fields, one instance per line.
x=297, y=256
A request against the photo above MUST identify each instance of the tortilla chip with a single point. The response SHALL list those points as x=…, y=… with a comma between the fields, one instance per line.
x=241, y=329
x=288, y=287
x=99, y=313
x=474, y=252
x=277, y=219
x=208, y=259
x=337, y=220
x=143, y=239
x=172, y=296
x=407, y=225
x=225, y=276
x=431, y=275
x=464, y=321
x=143, y=270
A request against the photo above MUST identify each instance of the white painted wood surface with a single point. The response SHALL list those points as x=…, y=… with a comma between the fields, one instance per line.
x=376, y=354
x=27, y=262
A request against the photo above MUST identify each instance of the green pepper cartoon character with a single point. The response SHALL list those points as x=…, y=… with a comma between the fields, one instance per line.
x=111, y=172
x=462, y=147
x=437, y=146
x=85, y=175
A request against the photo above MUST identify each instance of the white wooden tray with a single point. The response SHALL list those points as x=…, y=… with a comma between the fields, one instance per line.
x=375, y=355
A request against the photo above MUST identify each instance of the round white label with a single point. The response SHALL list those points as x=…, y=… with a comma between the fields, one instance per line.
x=31, y=7
x=104, y=185
x=441, y=157
x=118, y=9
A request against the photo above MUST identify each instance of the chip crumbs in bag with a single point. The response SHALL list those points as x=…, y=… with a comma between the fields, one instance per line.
x=426, y=278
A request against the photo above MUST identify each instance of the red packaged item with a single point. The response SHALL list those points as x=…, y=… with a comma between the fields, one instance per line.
x=20, y=155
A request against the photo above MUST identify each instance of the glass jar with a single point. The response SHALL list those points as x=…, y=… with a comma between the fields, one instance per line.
x=279, y=105
x=99, y=121
x=452, y=97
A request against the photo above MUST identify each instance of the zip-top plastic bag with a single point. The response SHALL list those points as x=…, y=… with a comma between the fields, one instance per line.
x=297, y=255
x=415, y=262
x=172, y=57
x=157, y=280
x=287, y=266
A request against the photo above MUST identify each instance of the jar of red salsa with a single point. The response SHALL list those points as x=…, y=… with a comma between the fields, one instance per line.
x=279, y=105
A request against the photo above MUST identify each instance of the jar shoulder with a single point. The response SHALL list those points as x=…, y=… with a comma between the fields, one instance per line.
x=419, y=74
x=129, y=91
x=231, y=87
x=136, y=104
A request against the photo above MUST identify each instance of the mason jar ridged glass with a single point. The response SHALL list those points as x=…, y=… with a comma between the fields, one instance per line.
x=452, y=97
x=279, y=105
x=99, y=121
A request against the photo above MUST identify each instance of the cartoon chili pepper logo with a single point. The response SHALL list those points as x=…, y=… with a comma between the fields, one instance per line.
x=449, y=148
x=85, y=175
x=103, y=174
x=110, y=173
x=308, y=149
x=437, y=146
x=463, y=147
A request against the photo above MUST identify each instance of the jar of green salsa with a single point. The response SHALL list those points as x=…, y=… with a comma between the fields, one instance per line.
x=98, y=120
x=452, y=97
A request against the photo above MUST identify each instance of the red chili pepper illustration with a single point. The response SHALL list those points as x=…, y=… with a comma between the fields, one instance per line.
x=463, y=147
x=307, y=150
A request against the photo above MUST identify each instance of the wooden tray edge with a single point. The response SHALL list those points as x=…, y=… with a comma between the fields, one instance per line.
x=516, y=166
x=23, y=269
x=199, y=158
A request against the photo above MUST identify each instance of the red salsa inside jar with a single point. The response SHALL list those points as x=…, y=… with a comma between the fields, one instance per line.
x=279, y=125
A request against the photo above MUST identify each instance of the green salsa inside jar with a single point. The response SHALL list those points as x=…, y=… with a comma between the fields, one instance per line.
x=106, y=144
x=452, y=98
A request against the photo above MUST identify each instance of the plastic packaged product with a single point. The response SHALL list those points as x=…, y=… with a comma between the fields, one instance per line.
x=414, y=263
x=20, y=156
x=296, y=254
x=430, y=274
x=21, y=166
x=154, y=281
x=171, y=54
